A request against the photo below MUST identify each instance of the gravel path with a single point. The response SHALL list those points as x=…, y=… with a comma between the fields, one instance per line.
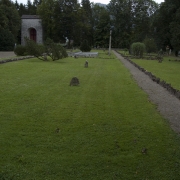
x=6, y=54
x=168, y=105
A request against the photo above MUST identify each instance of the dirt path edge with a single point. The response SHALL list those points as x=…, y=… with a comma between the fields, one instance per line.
x=167, y=104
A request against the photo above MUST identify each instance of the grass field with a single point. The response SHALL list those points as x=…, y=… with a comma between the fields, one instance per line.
x=97, y=130
x=168, y=71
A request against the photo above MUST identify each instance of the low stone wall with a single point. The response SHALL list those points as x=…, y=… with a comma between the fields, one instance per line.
x=83, y=54
x=162, y=83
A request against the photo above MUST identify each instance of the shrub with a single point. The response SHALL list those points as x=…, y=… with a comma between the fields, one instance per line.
x=85, y=46
x=48, y=49
x=54, y=51
x=35, y=49
x=62, y=51
x=20, y=50
x=138, y=49
x=7, y=40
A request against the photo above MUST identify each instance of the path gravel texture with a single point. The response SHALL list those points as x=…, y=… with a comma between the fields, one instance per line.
x=167, y=104
x=7, y=54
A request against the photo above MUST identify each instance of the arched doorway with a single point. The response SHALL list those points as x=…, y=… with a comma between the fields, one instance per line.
x=32, y=33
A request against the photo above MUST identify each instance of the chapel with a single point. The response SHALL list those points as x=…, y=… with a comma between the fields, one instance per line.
x=31, y=27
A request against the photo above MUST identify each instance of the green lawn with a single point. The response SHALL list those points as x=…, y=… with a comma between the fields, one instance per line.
x=168, y=71
x=104, y=123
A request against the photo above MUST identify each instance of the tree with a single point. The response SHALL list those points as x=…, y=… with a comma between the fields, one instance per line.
x=86, y=19
x=69, y=20
x=121, y=15
x=175, y=33
x=48, y=49
x=102, y=30
x=59, y=19
x=22, y=9
x=7, y=40
x=150, y=45
x=143, y=11
x=54, y=51
x=166, y=23
x=9, y=21
x=85, y=46
x=46, y=12
x=31, y=8
x=35, y=49
x=131, y=20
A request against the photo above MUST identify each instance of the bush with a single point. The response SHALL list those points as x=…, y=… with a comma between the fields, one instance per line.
x=138, y=49
x=62, y=51
x=7, y=40
x=55, y=51
x=20, y=50
x=35, y=49
x=42, y=51
x=85, y=46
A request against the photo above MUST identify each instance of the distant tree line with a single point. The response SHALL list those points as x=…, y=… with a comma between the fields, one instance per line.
x=130, y=21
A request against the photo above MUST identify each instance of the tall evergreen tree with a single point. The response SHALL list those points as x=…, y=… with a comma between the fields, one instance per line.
x=96, y=14
x=102, y=30
x=166, y=23
x=131, y=20
x=87, y=29
x=9, y=24
x=46, y=12
x=9, y=17
x=31, y=8
x=59, y=19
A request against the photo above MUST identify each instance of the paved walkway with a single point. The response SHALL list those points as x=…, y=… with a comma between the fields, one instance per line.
x=168, y=105
x=6, y=54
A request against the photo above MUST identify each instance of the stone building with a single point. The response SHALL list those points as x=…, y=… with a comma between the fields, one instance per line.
x=31, y=27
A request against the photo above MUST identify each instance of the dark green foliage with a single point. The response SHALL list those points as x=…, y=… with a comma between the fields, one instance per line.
x=175, y=33
x=167, y=23
x=102, y=29
x=7, y=40
x=48, y=49
x=20, y=50
x=62, y=51
x=60, y=19
x=131, y=20
x=9, y=18
x=85, y=46
x=35, y=49
x=150, y=45
x=138, y=49
x=86, y=18
x=54, y=51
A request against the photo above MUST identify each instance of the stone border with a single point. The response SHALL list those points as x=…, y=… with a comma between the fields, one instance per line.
x=15, y=59
x=83, y=54
x=162, y=83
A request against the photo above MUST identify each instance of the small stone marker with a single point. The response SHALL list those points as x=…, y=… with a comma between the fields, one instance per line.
x=74, y=81
x=86, y=64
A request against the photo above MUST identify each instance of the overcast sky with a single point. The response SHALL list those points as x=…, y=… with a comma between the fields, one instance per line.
x=95, y=1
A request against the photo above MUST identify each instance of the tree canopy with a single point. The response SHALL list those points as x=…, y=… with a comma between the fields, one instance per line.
x=130, y=20
x=9, y=24
x=166, y=24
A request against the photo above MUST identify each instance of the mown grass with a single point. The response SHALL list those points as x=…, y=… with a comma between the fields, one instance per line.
x=167, y=70
x=104, y=123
